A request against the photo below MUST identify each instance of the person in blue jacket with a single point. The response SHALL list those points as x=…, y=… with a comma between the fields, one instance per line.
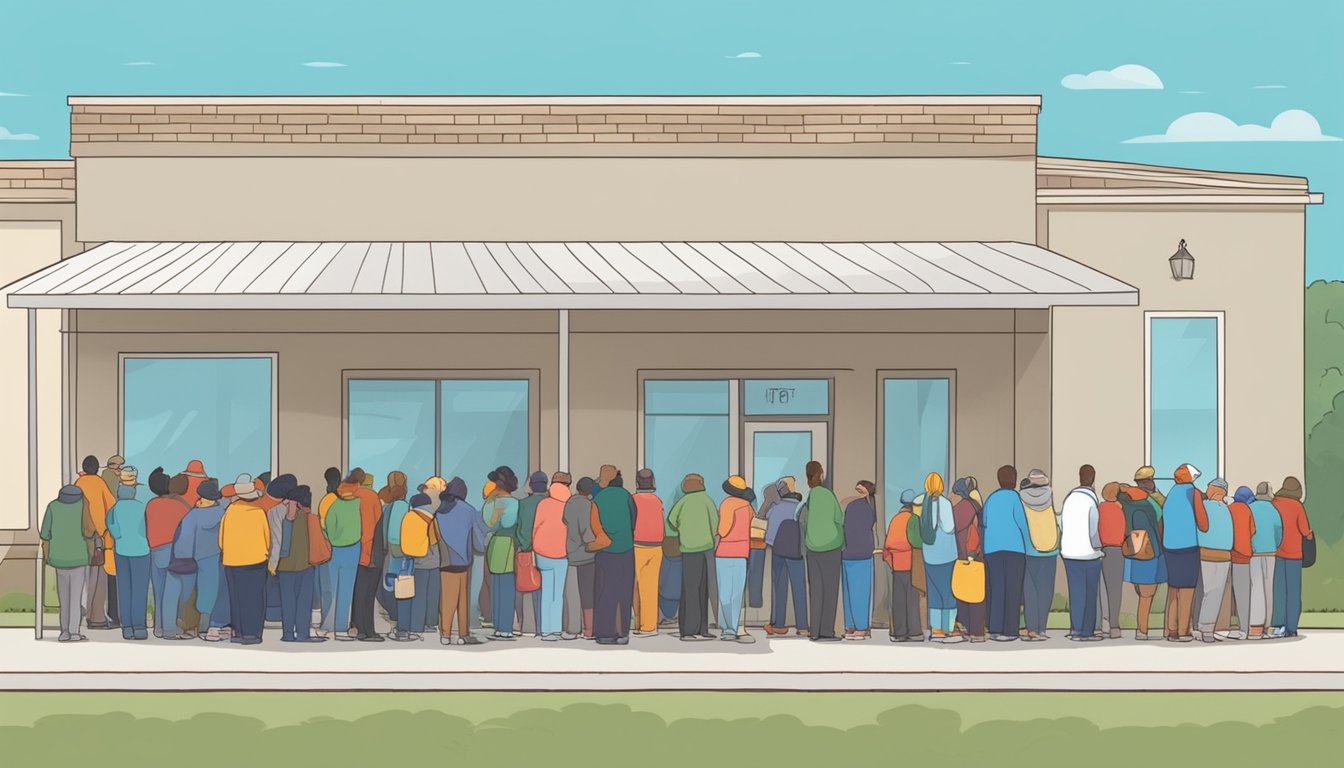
x=1182, y=515
x=1006, y=540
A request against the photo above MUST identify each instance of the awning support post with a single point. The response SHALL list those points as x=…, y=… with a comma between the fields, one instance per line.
x=40, y=574
x=564, y=390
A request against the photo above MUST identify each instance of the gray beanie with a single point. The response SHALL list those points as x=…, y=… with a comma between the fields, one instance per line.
x=1218, y=482
x=70, y=494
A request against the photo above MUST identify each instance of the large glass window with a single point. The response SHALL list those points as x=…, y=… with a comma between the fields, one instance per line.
x=686, y=430
x=916, y=429
x=392, y=427
x=216, y=409
x=447, y=427
x=1183, y=378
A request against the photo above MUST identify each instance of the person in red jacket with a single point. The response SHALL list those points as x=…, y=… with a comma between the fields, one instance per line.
x=1288, y=560
x=650, y=524
x=1111, y=531
x=1243, y=528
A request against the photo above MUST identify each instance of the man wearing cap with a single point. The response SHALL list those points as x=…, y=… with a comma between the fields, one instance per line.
x=67, y=537
x=1214, y=535
x=99, y=498
x=195, y=474
x=614, y=582
x=245, y=550
x=548, y=540
x=529, y=621
x=1143, y=478
x=112, y=472
x=126, y=523
x=649, y=527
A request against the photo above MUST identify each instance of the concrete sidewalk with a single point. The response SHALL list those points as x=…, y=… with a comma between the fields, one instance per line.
x=105, y=662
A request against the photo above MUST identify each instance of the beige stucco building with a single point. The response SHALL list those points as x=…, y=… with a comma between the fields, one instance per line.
x=895, y=285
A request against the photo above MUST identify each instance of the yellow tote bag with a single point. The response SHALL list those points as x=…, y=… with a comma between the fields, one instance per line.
x=968, y=581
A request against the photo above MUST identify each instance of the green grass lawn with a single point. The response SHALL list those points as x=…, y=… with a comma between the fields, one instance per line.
x=338, y=729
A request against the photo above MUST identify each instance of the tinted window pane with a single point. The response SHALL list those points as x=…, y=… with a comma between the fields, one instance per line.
x=787, y=397
x=915, y=429
x=675, y=446
x=485, y=425
x=670, y=396
x=391, y=427
x=779, y=454
x=215, y=409
x=1184, y=395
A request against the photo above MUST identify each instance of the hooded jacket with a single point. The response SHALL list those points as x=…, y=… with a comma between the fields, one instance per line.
x=527, y=518
x=1243, y=525
x=1040, y=498
x=244, y=534
x=694, y=519
x=860, y=519
x=782, y=534
x=1295, y=526
x=896, y=549
x=198, y=536
x=342, y=519
x=461, y=529
x=549, y=532
x=1141, y=514
x=126, y=523
x=370, y=514
x=162, y=516
x=1180, y=529
x=616, y=516
x=823, y=521
x=1214, y=532
x=67, y=531
x=1268, y=527
x=578, y=518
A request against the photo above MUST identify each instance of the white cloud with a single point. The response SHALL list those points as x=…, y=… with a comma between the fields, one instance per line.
x=1291, y=125
x=1268, y=87
x=1123, y=77
x=744, y=55
x=4, y=94
x=5, y=135
x=323, y=64
x=138, y=64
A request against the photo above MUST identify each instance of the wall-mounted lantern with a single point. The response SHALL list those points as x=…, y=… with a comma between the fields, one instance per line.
x=1182, y=264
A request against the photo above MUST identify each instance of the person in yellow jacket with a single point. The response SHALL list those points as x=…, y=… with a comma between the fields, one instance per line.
x=245, y=550
x=98, y=601
x=420, y=539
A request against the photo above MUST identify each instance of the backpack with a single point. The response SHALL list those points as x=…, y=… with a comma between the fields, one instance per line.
x=415, y=534
x=928, y=524
x=1042, y=527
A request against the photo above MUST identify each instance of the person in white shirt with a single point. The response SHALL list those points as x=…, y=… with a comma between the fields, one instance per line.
x=1080, y=546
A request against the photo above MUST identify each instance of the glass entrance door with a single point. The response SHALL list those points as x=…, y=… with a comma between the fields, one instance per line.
x=775, y=450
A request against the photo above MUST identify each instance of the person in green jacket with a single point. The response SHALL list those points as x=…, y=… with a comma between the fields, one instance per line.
x=694, y=519
x=343, y=527
x=823, y=536
x=67, y=531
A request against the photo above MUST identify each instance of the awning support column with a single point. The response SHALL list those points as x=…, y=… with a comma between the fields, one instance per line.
x=563, y=406
x=40, y=574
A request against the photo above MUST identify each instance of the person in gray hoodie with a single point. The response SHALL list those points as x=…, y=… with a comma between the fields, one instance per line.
x=579, y=576
x=1039, y=590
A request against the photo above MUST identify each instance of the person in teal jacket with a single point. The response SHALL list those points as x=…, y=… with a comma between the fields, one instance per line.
x=614, y=585
x=499, y=513
x=824, y=537
x=126, y=523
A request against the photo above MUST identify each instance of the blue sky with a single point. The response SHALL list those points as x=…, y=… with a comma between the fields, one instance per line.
x=1248, y=62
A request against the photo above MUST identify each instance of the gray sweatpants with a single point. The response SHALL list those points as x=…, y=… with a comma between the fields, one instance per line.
x=70, y=594
x=1253, y=591
x=1113, y=581
x=1213, y=577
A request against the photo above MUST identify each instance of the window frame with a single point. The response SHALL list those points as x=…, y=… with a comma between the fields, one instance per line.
x=273, y=357
x=883, y=374
x=1220, y=320
x=531, y=375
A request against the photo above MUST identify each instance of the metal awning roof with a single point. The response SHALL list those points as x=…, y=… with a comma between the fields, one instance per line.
x=567, y=275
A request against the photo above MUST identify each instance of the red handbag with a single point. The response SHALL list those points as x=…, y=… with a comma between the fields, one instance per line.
x=526, y=577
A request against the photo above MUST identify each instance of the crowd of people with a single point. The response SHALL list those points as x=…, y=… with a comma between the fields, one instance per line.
x=563, y=560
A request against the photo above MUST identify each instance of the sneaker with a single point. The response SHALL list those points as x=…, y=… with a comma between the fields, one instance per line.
x=745, y=639
x=470, y=640
x=667, y=623
x=1232, y=636
x=953, y=639
x=1277, y=633
x=1144, y=636
x=623, y=640
x=728, y=638
x=1090, y=639
x=639, y=633
x=447, y=640
x=500, y=636
x=1003, y=638
x=606, y=641
x=802, y=633
x=977, y=638
x=1208, y=637
x=1115, y=633
x=568, y=636
x=399, y=637
x=64, y=637
x=550, y=638
x=370, y=638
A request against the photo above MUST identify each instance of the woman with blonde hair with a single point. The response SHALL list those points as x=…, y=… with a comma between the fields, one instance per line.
x=938, y=531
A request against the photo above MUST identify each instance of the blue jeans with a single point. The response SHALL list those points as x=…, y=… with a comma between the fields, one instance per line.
x=551, y=597
x=159, y=558
x=502, y=593
x=857, y=593
x=1287, y=593
x=756, y=578
x=474, y=584
x=1084, y=578
x=326, y=598
x=669, y=587
x=344, y=566
x=732, y=579
x=212, y=592
x=296, y=603
x=787, y=575
x=133, y=595
x=425, y=604
x=1038, y=592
